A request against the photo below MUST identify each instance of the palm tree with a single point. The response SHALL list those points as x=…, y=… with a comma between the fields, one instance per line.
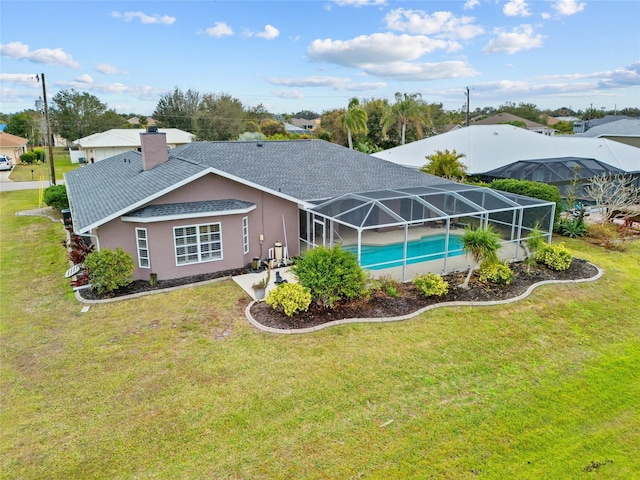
x=354, y=120
x=482, y=244
x=408, y=109
x=445, y=164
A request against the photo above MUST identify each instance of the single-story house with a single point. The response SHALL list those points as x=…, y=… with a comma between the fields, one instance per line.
x=509, y=118
x=216, y=206
x=624, y=131
x=12, y=146
x=495, y=149
x=99, y=146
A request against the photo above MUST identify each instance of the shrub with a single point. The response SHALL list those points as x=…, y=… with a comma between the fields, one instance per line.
x=431, y=285
x=607, y=235
x=40, y=154
x=331, y=275
x=109, y=269
x=556, y=257
x=532, y=189
x=78, y=249
x=28, y=157
x=389, y=285
x=56, y=197
x=496, y=272
x=572, y=228
x=290, y=298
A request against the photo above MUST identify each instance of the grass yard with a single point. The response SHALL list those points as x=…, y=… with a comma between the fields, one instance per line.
x=179, y=386
x=61, y=163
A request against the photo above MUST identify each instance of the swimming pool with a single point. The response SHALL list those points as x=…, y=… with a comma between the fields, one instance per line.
x=432, y=247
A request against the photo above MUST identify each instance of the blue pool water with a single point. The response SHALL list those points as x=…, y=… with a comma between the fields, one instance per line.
x=376, y=257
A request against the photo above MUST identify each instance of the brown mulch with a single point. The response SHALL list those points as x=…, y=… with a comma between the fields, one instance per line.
x=409, y=300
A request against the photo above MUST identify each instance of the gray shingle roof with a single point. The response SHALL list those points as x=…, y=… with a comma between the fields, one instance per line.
x=302, y=170
x=170, y=209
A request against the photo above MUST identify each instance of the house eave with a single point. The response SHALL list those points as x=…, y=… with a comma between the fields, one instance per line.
x=167, y=218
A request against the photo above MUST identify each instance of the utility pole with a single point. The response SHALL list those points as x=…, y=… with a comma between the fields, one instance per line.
x=467, y=118
x=52, y=170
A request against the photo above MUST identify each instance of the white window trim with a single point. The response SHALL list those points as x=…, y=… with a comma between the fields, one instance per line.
x=245, y=235
x=146, y=241
x=199, y=252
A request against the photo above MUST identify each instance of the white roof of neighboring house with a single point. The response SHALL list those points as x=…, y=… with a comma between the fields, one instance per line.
x=130, y=137
x=487, y=147
x=619, y=128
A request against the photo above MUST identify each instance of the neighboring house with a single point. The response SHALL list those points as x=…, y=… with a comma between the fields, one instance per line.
x=12, y=146
x=581, y=126
x=99, y=146
x=624, y=131
x=309, y=125
x=487, y=148
x=289, y=128
x=508, y=118
x=215, y=206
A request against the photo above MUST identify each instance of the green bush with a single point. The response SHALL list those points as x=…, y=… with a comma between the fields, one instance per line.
x=28, y=158
x=109, y=269
x=556, y=257
x=496, y=272
x=572, y=228
x=40, y=154
x=290, y=298
x=431, y=285
x=56, y=197
x=331, y=274
x=532, y=189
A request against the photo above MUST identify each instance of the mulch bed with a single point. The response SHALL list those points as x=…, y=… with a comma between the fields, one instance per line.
x=409, y=300
x=379, y=304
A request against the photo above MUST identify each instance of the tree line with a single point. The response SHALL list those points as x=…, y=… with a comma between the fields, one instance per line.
x=368, y=125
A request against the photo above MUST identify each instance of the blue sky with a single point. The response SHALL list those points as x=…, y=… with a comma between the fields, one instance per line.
x=315, y=55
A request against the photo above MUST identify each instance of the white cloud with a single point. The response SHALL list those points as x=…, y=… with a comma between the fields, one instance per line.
x=376, y=48
x=86, y=78
x=421, y=71
x=519, y=38
x=47, y=56
x=359, y=3
x=470, y=4
x=336, y=83
x=144, y=18
x=568, y=7
x=107, y=69
x=288, y=94
x=220, y=29
x=27, y=79
x=516, y=8
x=442, y=24
x=270, y=32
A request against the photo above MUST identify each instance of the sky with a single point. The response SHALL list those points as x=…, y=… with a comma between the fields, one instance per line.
x=315, y=55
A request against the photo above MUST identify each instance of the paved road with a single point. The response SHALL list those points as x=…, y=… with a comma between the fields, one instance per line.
x=7, y=185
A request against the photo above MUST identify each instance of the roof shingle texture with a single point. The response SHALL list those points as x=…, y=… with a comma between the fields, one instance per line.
x=303, y=169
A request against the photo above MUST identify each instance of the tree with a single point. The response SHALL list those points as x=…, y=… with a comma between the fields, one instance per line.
x=445, y=164
x=407, y=110
x=77, y=114
x=220, y=117
x=614, y=194
x=330, y=127
x=482, y=244
x=27, y=125
x=178, y=109
x=354, y=119
x=376, y=108
x=524, y=110
x=270, y=127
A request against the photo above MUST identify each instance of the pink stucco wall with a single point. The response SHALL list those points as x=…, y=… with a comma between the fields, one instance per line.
x=265, y=219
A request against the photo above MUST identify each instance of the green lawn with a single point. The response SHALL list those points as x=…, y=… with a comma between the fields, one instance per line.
x=61, y=163
x=179, y=386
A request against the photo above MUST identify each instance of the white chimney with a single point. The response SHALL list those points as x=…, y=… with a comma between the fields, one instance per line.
x=154, y=148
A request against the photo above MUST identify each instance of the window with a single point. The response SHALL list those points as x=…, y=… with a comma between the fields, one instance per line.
x=143, y=248
x=245, y=235
x=198, y=243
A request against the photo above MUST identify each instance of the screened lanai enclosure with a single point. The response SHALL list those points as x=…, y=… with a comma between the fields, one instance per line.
x=409, y=232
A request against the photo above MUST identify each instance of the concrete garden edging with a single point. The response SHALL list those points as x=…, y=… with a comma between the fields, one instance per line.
x=345, y=321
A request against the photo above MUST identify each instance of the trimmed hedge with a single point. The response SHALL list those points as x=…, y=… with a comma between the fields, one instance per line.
x=528, y=188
